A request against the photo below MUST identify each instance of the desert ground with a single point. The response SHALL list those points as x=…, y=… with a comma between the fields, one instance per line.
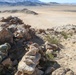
x=48, y=16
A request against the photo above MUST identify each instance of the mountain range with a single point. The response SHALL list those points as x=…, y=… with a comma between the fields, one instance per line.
x=15, y=1
x=24, y=2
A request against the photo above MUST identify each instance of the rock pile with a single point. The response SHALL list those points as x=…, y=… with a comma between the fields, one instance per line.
x=27, y=51
x=17, y=36
x=12, y=20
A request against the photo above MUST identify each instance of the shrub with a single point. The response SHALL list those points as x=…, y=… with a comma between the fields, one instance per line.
x=64, y=34
x=52, y=40
x=50, y=56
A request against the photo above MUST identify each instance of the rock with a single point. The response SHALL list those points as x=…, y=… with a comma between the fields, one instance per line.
x=70, y=73
x=30, y=60
x=12, y=28
x=59, y=71
x=49, y=70
x=38, y=72
x=50, y=46
x=7, y=62
x=5, y=47
x=12, y=20
x=23, y=32
x=19, y=73
x=15, y=62
x=47, y=45
x=4, y=50
x=5, y=36
x=39, y=31
x=27, y=26
x=49, y=51
x=63, y=71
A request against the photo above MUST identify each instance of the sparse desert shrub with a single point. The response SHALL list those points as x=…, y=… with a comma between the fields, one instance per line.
x=64, y=34
x=52, y=40
x=50, y=56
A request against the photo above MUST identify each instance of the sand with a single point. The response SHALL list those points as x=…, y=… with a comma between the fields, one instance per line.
x=49, y=16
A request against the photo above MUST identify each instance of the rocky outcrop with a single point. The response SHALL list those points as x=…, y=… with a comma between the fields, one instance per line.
x=30, y=60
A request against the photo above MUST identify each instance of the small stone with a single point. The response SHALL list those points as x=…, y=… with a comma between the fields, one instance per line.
x=63, y=71
x=49, y=51
x=7, y=62
x=15, y=62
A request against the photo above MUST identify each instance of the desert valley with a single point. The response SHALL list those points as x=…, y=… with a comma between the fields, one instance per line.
x=48, y=16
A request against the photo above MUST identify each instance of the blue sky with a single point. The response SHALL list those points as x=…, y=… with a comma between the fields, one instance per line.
x=60, y=1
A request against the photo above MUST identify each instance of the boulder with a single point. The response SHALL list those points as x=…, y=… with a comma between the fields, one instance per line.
x=12, y=28
x=5, y=36
x=4, y=50
x=30, y=60
x=38, y=72
x=7, y=62
x=24, y=32
x=70, y=73
x=49, y=70
x=63, y=71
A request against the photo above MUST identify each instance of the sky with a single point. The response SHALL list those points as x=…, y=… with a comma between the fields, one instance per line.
x=60, y=1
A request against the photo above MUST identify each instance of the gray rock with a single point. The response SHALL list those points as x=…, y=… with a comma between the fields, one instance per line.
x=22, y=32
x=70, y=73
x=30, y=60
x=4, y=50
x=63, y=71
x=38, y=72
x=49, y=70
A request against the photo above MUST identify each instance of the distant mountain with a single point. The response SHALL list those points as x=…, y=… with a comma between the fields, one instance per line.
x=21, y=2
x=53, y=3
x=15, y=1
x=25, y=2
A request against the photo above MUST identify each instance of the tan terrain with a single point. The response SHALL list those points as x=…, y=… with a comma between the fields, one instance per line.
x=48, y=16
